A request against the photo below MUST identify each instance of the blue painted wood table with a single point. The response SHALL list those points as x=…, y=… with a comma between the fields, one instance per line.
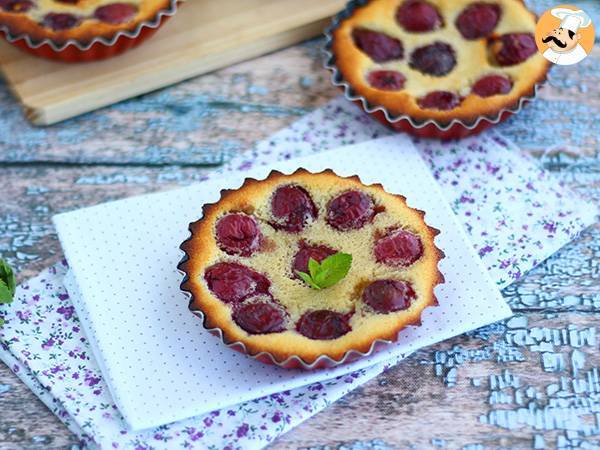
x=463, y=393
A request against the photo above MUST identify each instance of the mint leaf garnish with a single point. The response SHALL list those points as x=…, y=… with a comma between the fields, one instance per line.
x=327, y=273
x=8, y=283
x=308, y=279
x=313, y=267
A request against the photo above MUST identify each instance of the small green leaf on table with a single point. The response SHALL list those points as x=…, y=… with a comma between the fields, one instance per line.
x=8, y=284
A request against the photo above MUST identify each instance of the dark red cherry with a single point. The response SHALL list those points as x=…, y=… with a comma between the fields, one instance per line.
x=387, y=80
x=350, y=211
x=478, y=20
x=233, y=283
x=437, y=59
x=260, y=317
x=316, y=252
x=238, y=234
x=60, y=21
x=16, y=6
x=398, y=248
x=379, y=46
x=386, y=296
x=418, y=16
x=116, y=13
x=492, y=85
x=513, y=48
x=323, y=324
x=441, y=100
x=292, y=208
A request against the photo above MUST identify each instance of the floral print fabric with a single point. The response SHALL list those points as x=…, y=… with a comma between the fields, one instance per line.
x=515, y=214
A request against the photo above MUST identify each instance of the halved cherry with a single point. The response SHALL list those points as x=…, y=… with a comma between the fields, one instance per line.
x=238, y=234
x=492, y=85
x=437, y=59
x=418, y=16
x=307, y=251
x=513, y=48
x=386, y=296
x=234, y=283
x=478, y=20
x=323, y=324
x=260, y=317
x=116, y=13
x=350, y=211
x=441, y=100
x=16, y=6
x=398, y=248
x=379, y=46
x=60, y=21
x=387, y=80
x=292, y=207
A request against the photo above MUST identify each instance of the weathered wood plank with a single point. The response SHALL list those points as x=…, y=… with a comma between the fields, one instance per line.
x=196, y=122
x=209, y=118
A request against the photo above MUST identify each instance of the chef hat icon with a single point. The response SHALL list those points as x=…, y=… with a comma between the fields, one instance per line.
x=572, y=20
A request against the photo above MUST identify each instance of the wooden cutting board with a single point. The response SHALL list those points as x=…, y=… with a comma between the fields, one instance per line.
x=205, y=35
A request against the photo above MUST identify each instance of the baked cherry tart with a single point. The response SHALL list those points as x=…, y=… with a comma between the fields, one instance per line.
x=76, y=25
x=310, y=270
x=428, y=65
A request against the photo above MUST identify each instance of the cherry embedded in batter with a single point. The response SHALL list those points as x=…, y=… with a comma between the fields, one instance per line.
x=386, y=296
x=323, y=324
x=316, y=252
x=238, y=234
x=379, y=46
x=116, y=13
x=492, y=85
x=478, y=20
x=418, y=16
x=234, y=283
x=292, y=208
x=260, y=317
x=16, y=6
x=60, y=21
x=398, y=248
x=350, y=211
x=437, y=59
x=513, y=48
x=387, y=80
x=440, y=100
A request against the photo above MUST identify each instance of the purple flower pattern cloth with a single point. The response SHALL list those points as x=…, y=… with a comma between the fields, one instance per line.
x=515, y=214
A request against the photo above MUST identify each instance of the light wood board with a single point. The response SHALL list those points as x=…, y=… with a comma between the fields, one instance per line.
x=205, y=35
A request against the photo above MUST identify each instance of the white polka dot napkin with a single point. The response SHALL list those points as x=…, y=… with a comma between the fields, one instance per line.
x=125, y=287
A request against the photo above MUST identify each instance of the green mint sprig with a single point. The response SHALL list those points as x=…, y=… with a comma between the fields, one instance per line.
x=8, y=284
x=327, y=273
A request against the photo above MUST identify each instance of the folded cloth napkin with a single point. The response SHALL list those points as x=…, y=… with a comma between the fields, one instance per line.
x=43, y=308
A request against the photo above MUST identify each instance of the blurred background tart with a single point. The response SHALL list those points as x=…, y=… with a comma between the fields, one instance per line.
x=438, y=60
x=80, y=24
